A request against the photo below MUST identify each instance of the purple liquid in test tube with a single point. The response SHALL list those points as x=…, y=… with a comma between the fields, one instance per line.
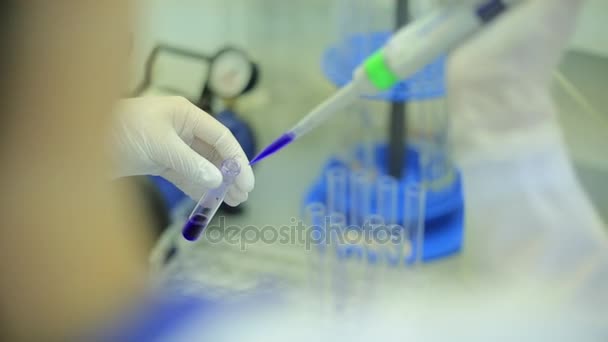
x=210, y=202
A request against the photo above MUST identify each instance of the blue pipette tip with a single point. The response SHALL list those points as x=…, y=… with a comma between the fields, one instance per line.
x=278, y=144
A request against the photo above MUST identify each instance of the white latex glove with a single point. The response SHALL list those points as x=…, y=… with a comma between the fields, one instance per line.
x=172, y=138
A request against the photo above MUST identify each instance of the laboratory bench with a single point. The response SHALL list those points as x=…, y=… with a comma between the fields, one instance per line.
x=224, y=270
x=288, y=50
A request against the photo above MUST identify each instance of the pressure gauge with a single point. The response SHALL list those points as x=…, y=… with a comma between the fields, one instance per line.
x=231, y=73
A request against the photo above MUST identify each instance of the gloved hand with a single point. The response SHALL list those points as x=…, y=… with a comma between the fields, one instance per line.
x=172, y=138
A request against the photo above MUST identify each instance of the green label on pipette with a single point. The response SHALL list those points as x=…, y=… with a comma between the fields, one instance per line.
x=378, y=71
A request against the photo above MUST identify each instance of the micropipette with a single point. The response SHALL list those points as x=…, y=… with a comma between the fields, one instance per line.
x=406, y=52
x=210, y=201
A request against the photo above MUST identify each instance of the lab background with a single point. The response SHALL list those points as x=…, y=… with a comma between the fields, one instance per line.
x=481, y=282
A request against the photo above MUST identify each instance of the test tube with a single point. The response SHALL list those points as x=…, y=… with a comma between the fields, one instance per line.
x=413, y=221
x=373, y=254
x=387, y=199
x=314, y=215
x=210, y=201
x=371, y=227
x=360, y=197
x=335, y=230
x=436, y=169
x=336, y=190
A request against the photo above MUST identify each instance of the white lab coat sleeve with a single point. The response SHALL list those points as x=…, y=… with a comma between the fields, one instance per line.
x=526, y=212
x=530, y=201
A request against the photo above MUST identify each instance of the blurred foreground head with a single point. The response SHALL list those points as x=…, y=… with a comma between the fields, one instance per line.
x=69, y=247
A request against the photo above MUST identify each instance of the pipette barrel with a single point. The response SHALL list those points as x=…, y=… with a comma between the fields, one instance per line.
x=406, y=52
x=209, y=203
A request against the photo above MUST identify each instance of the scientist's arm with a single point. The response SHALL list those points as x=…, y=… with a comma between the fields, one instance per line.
x=72, y=250
x=520, y=184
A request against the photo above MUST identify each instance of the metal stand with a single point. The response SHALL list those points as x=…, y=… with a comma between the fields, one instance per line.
x=397, y=124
